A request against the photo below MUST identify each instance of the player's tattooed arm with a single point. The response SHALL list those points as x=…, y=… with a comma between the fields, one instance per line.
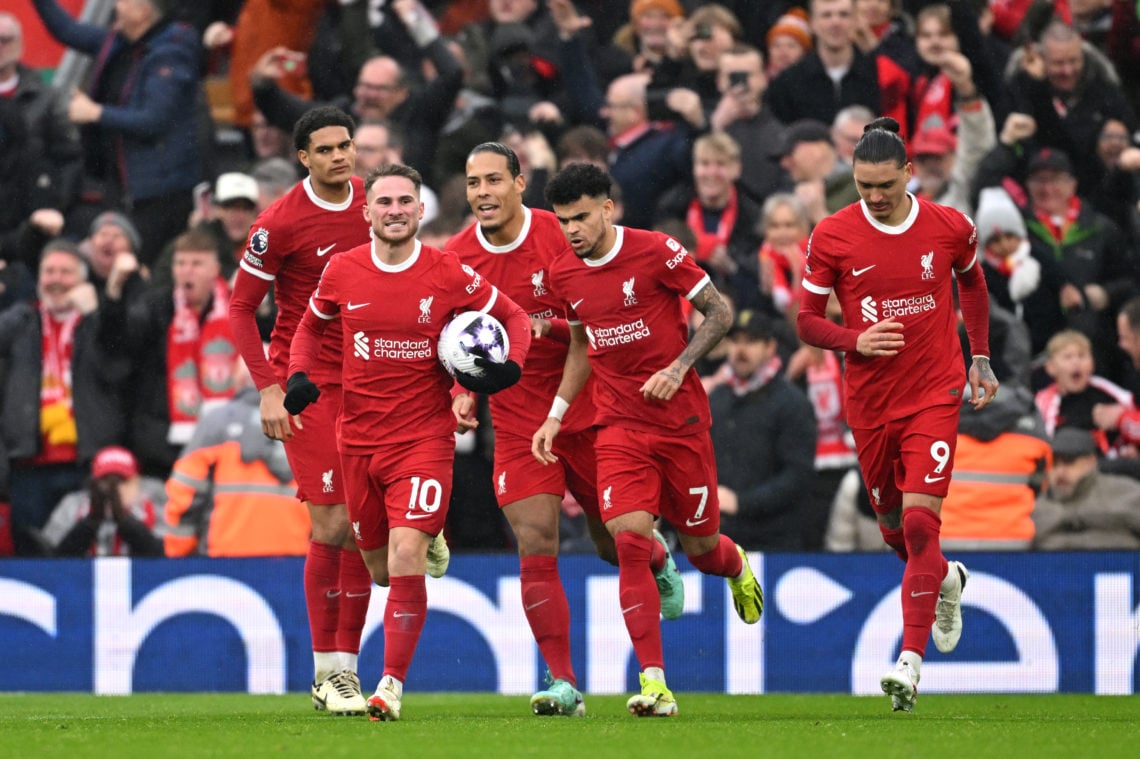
x=983, y=382
x=718, y=319
x=663, y=385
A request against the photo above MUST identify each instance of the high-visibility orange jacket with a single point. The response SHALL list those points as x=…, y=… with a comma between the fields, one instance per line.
x=999, y=466
x=231, y=492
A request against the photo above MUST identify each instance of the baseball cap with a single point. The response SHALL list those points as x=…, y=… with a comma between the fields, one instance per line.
x=114, y=460
x=1050, y=159
x=934, y=141
x=234, y=185
x=1071, y=443
x=754, y=324
x=804, y=130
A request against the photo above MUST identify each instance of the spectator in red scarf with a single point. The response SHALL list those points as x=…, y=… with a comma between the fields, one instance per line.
x=786, y=226
x=1097, y=264
x=58, y=390
x=180, y=346
x=722, y=218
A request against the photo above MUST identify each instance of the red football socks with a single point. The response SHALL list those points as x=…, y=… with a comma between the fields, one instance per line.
x=922, y=578
x=548, y=612
x=658, y=557
x=356, y=591
x=403, y=622
x=894, y=538
x=722, y=561
x=322, y=594
x=640, y=602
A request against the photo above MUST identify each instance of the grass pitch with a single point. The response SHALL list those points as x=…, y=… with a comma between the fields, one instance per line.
x=165, y=726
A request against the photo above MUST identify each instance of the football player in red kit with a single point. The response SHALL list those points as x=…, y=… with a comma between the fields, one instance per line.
x=891, y=259
x=622, y=288
x=392, y=297
x=288, y=247
x=515, y=246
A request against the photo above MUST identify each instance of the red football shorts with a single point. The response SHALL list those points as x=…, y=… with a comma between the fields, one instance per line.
x=399, y=485
x=671, y=476
x=518, y=474
x=313, y=454
x=914, y=454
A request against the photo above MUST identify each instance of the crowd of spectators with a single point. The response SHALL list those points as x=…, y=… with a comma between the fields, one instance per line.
x=127, y=202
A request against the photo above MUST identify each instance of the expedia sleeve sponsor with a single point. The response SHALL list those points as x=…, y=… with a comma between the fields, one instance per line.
x=622, y=334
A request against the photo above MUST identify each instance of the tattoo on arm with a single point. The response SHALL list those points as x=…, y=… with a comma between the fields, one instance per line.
x=985, y=371
x=718, y=318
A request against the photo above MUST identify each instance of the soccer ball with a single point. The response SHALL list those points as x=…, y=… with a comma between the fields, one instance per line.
x=472, y=331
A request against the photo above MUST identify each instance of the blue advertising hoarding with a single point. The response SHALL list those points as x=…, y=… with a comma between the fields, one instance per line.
x=1034, y=623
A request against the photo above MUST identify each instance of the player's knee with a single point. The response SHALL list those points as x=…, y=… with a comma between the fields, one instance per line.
x=536, y=540
x=330, y=525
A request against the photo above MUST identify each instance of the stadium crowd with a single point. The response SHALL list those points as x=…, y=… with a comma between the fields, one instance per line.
x=128, y=201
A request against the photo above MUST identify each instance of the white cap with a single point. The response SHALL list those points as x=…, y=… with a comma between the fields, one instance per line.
x=234, y=185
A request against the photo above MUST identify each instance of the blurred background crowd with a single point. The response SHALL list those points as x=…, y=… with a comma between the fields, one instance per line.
x=132, y=170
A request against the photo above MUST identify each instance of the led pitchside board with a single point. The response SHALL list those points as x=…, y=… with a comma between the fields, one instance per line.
x=1034, y=623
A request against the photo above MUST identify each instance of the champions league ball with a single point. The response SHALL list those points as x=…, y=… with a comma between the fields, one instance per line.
x=471, y=334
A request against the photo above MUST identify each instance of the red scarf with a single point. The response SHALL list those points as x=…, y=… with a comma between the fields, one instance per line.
x=935, y=106
x=1003, y=266
x=761, y=377
x=200, y=355
x=707, y=241
x=786, y=275
x=1059, y=226
x=57, y=417
x=833, y=447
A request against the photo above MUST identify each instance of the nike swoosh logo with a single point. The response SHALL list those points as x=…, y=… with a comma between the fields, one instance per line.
x=332, y=593
x=864, y=270
x=536, y=604
x=400, y=614
x=353, y=306
x=928, y=479
x=913, y=594
x=410, y=515
x=358, y=595
x=631, y=608
x=691, y=523
x=321, y=251
x=574, y=305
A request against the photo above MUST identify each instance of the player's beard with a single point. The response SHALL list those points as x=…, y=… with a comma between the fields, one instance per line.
x=390, y=239
x=491, y=229
x=588, y=251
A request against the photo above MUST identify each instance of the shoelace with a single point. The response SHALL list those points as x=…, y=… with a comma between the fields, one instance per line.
x=344, y=685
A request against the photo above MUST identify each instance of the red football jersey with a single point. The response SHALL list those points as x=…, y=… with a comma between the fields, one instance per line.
x=521, y=270
x=289, y=246
x=901, y=274
x=629, y=303
x=395, y=388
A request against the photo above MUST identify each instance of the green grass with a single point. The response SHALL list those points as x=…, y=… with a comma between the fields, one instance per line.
x=165, y=726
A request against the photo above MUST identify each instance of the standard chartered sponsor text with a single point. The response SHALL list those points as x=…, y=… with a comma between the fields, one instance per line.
x=622, y=334
x=892, y=307
x=401, y=350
